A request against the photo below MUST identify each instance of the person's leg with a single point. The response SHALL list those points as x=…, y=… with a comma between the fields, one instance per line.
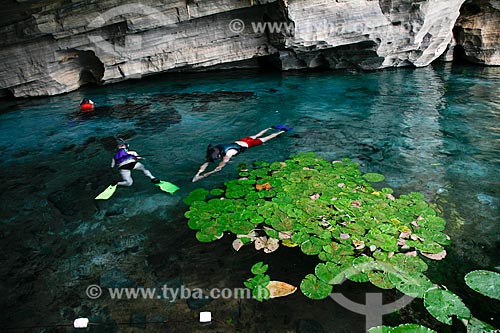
x=146, y=172
x=271, y=136
x=258, y=135
x=127, y=178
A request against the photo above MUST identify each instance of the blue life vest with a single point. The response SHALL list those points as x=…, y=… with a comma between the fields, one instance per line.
x=225, y=147
x=122, y=156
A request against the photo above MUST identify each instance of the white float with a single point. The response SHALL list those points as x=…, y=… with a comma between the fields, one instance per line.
x=205, y=317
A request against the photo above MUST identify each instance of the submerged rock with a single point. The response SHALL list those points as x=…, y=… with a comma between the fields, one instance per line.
x=309, y=326
x=138, y=320
x=115, y=279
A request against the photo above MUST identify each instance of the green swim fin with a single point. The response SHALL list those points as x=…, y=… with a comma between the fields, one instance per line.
x=167, y=187
x=107, y=193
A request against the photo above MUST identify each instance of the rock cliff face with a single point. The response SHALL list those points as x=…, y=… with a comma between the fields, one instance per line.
x=51, y=47
x=478, y=31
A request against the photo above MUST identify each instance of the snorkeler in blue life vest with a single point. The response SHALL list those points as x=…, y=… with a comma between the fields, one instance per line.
x=127, y=160
x=225, y=152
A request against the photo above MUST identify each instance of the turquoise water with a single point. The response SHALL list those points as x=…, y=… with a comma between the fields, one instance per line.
x=435, y=130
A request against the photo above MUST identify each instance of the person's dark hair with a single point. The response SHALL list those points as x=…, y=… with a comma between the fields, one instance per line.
x=85, y=101
x=213, y=153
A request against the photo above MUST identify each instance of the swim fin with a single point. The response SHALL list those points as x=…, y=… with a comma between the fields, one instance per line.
x=167, y=187
x=107, y=193
x=282, y=128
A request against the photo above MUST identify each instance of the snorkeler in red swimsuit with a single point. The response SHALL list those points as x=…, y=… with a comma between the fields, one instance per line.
x=226, y=151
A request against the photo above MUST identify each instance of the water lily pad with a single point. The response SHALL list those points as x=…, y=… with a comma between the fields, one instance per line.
x=314, y=288
x=405, y=328
x=380, y=329
x=484, y=282
x=477, y=326
x=380, y=240
x=433, y=223
x=197, y=195
x=259, y=268
x=310, y=248
x=288, y=243
x=442, y=304
x=425, y=246
x=414, y=285
x=330, y=273
x=412, y=328
x=408, y=264
x=435, y=256
x=206, y=238
x=380, y=279
x=241, y=227
x=216, y=192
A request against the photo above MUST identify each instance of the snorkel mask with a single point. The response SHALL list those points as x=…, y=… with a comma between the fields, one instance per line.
x=213, y=153
x=121, y=144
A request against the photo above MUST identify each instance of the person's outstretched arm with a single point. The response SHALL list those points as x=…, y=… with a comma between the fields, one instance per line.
x=222, y=164
x=203, y=167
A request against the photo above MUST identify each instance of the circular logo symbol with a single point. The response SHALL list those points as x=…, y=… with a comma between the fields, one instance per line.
x=93, y=291
x=236, y=26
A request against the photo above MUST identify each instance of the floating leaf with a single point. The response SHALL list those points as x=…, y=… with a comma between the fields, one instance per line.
x=442, y=304
x=435, y=256
x=380, y=329
x=204, y=238
x=237, y=244
x=265, y=186
x=484, y=282
x=408, y=264
x=380, y=279
x=412, y=328
x=314, y=288
x=433, y=223
x=405, y=328
x=197, y=195
x=310, y=248
x=373, y=177
x=330, y=273
x=260, y=292
x=477, y=326
x=216, y=191
x=288, y=243
x=268, y=244
x=414, y=285
x=259, y=268
x=315, y=196
x=280, y=289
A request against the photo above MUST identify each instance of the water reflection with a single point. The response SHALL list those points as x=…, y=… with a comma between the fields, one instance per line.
x=433, y=130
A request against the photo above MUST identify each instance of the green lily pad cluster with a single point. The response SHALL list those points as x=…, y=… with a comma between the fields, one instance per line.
x=329, y=210
x=443, y=305
x=259, y=282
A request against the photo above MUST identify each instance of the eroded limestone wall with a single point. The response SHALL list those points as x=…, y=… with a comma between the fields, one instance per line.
x=57, y=46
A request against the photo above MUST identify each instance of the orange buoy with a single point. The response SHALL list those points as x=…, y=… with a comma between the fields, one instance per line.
x=86, y=107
